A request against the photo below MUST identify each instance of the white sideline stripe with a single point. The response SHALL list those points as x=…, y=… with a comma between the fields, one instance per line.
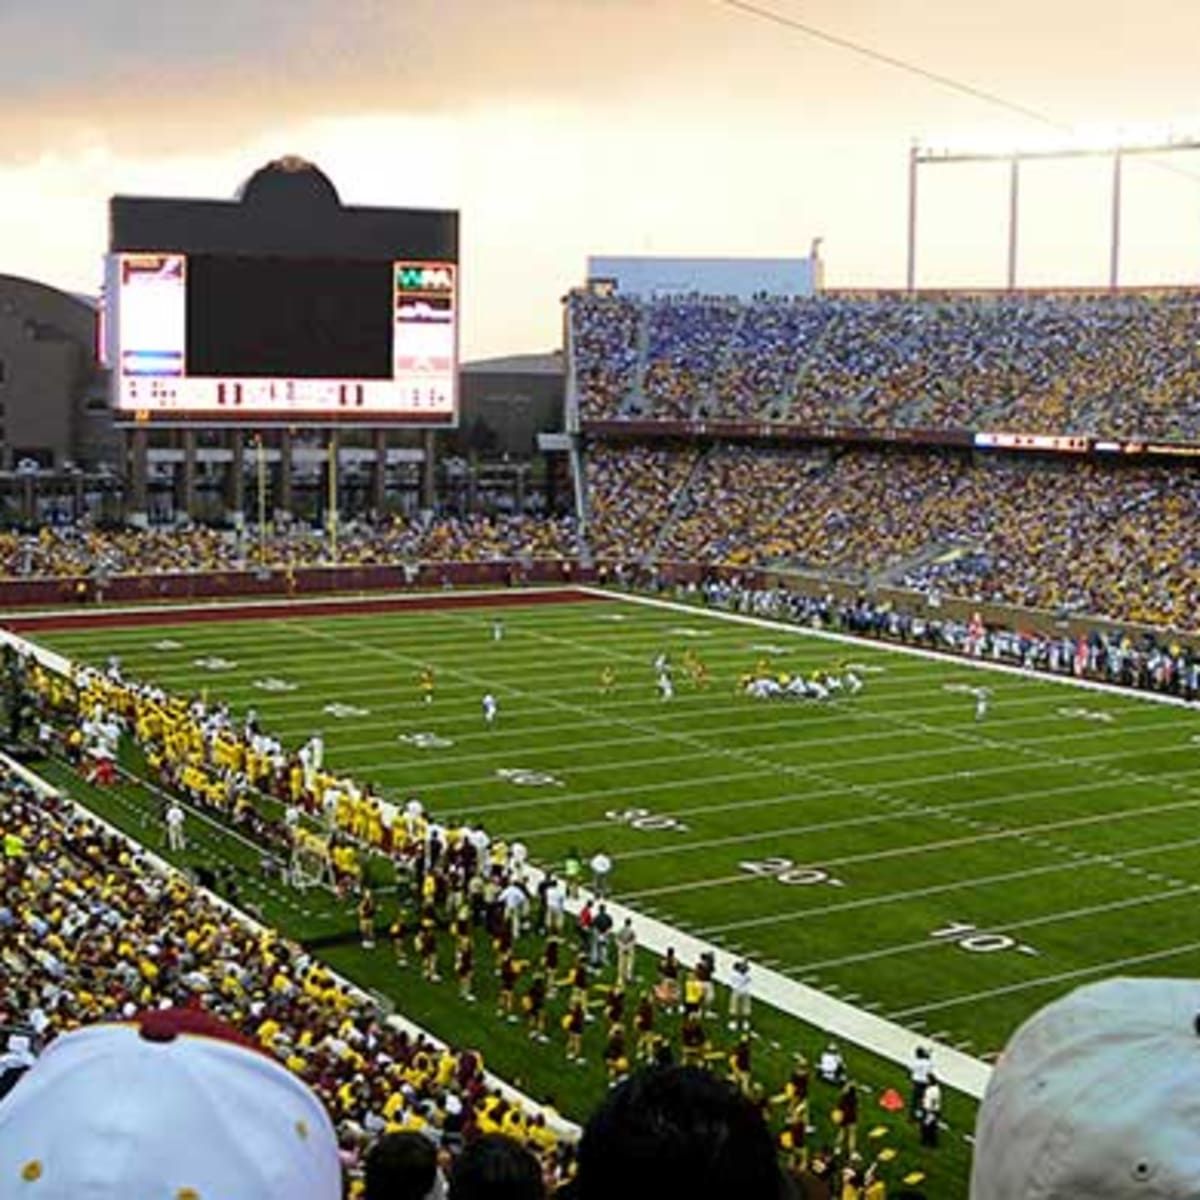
x=837, y=1018
x=35, y=781
x=778, y=626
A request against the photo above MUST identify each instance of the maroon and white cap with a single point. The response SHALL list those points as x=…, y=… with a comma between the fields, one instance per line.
x=172, y=1105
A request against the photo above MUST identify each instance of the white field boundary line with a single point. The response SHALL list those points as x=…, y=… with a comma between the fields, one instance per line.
x=914, y=849
x=777, y=626
x=977, y=881
x=43, y=788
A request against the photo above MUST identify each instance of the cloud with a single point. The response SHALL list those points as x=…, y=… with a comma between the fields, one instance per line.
x=139, y=76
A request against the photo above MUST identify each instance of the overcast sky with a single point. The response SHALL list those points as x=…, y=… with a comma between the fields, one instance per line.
x=567, y=127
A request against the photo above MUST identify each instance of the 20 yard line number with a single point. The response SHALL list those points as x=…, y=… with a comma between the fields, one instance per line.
x=785, y=871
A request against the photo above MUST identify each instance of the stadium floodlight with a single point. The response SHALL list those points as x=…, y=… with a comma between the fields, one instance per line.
x=1116, y=142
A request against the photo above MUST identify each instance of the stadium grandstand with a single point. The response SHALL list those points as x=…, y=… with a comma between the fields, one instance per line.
x=780, y=684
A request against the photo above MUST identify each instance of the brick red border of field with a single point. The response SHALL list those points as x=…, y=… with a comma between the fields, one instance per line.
x=186, y=614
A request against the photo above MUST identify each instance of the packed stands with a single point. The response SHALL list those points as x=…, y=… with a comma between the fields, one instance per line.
x=70, y=551
x=95, y=931
x=1120, y=541
x=1112, y=365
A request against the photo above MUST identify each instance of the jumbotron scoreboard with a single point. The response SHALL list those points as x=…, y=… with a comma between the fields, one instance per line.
x=246, y=321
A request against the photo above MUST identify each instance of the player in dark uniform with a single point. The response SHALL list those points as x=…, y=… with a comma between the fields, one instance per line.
x=509, y=970
x=534, y=1003
x=550, y=958
x=573, y=1024
x=643, y=1025
x=615, y=1060
x=693, y=1041
x=464, y=968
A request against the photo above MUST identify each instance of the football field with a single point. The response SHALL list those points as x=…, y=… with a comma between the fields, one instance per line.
x=949, y=873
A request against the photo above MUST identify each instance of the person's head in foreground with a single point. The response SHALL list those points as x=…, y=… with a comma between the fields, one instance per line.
x=1097, y=1096
x=495, y=1167
x=172, y=1104
x=677, y=1131
x=403, y=1166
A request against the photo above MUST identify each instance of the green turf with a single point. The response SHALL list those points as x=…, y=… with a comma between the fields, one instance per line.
x=1059, y=829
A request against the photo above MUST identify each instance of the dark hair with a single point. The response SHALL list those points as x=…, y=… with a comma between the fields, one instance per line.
x=668, y=1130
x=400, y=1166
x=495, y=1167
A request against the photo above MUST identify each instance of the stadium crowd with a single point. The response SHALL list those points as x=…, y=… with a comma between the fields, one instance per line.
x=94, y=931
x=1117, y=541
x=1125, y=365
x=72, y=551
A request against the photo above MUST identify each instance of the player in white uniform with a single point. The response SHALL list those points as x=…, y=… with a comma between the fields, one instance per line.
x=175, y=835
x=497, y=630
x=666, y=689
x=981, y=703
x=489, y=709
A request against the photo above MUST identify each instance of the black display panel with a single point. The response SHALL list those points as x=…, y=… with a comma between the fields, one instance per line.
x=297, y=318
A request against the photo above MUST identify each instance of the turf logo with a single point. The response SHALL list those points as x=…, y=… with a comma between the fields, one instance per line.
x=644, y=819
x=767, y=648
x=686, y=631
x=214, y=663
x=426, y=741
x=271, y=684
x=525, y=778
x=167, y=644
x=978, y=941
x=783, y=870
x=342, y=711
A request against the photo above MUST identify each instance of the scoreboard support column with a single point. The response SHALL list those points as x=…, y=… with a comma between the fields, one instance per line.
x=187, y=499
x=284, y=511
x=379, y=475
x=429, y=470
x=137, y=452
x=235, y=480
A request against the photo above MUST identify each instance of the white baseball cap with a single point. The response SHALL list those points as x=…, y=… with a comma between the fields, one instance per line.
x=173, y=1105
x=1097, y=1096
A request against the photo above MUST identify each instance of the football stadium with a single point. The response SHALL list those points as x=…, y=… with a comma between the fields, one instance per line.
x=755, y=744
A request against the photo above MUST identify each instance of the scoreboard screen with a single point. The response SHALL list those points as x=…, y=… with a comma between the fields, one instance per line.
x=219, y=339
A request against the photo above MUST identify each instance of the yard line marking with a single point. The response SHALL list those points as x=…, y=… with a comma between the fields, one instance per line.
x=938, y=889
x=927, y=943
x=920, y=848
x=906, y=1014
